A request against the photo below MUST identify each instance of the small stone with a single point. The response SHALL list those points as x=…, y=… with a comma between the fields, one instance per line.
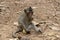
x=0, y=35
x=25, y=38
x=15, y=23
x=55, y=28
x=14, y=39
x=24, y=31
x=0, y=10
x=34, y=7
x=35, y=23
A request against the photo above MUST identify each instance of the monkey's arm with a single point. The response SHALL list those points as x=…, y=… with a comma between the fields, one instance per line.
x=22, y=21
x=24, y=25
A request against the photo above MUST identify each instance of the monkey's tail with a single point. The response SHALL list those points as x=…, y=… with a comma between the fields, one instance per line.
x=14, y=35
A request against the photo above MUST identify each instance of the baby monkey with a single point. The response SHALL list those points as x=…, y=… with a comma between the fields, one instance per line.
x=25, y=21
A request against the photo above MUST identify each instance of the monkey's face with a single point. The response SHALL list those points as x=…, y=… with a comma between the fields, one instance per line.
x=30, y=14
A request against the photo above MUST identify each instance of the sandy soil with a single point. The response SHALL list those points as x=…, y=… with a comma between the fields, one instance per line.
x=46, y=12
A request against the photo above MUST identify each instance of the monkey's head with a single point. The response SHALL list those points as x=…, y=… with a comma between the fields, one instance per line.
x=29, y=11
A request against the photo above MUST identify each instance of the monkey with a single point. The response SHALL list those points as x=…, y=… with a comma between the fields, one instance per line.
x=25, y=21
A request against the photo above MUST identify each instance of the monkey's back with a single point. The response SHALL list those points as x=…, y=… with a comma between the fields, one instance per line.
x=21, y=17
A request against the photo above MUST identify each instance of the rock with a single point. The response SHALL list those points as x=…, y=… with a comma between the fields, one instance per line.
x=34, y=7
x=0, y=10
x=14, y=39
x=25, y=38
x=54, y=28
x=15, y=23
x=35, y=23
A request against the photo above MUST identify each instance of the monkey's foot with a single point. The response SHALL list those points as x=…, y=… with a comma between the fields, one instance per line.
x=28, y=32
x=40, y=31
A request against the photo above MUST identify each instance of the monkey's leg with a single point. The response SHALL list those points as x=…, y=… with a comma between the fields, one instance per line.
x=32, y=26
x=19, y=28
x=27, y=29
x=36, y=28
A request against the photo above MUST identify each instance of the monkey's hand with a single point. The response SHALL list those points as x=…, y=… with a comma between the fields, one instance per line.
x=30, y=19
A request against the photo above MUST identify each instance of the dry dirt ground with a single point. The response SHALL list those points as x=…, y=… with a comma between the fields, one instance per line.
x=46, y=12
